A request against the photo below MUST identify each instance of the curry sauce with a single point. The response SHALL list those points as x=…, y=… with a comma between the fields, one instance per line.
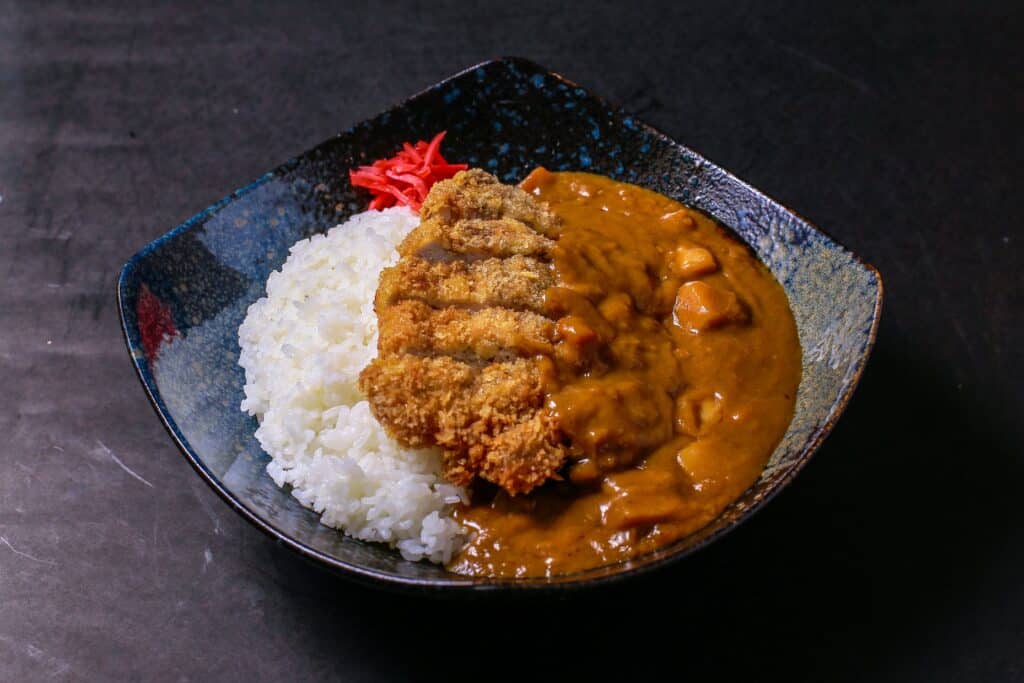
x=673, y=378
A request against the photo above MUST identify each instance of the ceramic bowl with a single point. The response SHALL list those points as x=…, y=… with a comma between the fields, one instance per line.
x=183, y=296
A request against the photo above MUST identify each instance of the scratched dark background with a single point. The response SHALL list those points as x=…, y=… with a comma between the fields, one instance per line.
x=898, y=554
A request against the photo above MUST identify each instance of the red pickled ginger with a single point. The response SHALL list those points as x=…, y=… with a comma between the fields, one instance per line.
x=407, y=177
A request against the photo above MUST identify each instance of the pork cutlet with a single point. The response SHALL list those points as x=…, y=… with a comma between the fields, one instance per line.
x=463, y=335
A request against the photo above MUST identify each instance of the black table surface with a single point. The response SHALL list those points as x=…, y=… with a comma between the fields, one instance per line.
x=898, y=554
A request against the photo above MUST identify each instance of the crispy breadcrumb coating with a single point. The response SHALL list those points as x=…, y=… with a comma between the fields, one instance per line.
x=463, y=335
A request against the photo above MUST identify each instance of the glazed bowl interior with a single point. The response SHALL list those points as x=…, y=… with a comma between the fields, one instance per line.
x=183, y=297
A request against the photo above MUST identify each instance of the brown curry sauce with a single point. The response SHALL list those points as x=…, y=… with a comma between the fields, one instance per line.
x=674, y=377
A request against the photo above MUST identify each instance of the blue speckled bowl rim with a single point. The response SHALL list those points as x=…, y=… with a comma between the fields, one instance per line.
x=612, y=573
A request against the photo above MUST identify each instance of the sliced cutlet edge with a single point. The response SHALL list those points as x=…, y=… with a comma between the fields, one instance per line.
x=449, y=400
x=518, y=459
x=404, y=396
x=475, y=238
x=526, y=455
x=486, y=334
x=478, y=194
x=517, y=282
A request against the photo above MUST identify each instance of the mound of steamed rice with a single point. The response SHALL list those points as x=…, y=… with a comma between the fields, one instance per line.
x=303, y=346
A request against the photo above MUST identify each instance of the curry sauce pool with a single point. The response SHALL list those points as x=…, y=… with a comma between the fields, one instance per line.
x=672, y=379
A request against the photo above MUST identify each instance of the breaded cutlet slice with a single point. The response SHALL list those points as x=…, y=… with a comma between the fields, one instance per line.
x=518, y=459
x=475, y=238
x=517, y=282
x=487, y=334
x=463, y=339
x=478, y=194
x=488, y=420
x=447, y=401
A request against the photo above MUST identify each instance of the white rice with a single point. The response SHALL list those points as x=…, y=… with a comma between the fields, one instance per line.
x=303, y=346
